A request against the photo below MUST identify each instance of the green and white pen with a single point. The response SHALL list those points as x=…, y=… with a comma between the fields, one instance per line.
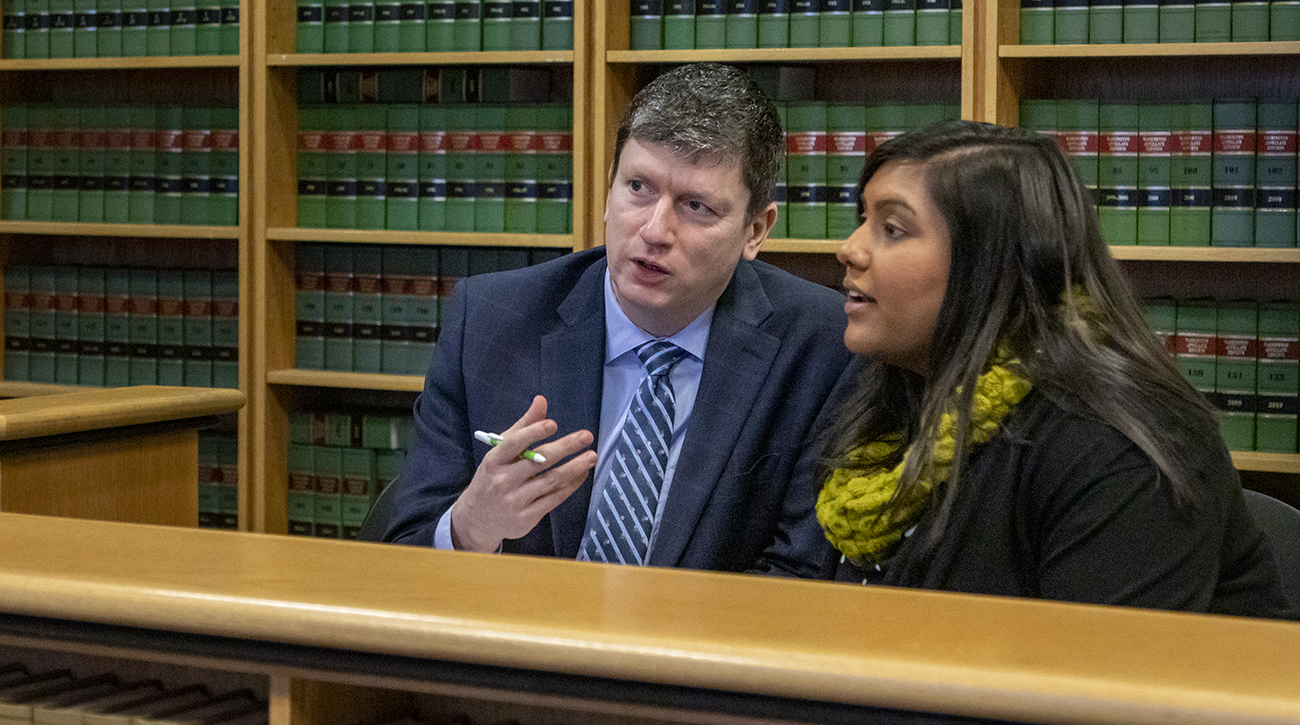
x=494, y=439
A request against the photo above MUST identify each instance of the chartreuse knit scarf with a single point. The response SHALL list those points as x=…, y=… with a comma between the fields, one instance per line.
x=851, y=506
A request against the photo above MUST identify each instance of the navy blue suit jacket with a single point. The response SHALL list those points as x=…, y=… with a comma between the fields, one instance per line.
x=775, y=352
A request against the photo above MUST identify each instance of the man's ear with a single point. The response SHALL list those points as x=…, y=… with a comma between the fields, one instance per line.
x=758, y=231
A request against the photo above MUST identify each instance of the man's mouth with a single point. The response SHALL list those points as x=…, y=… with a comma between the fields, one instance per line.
x=650, y=266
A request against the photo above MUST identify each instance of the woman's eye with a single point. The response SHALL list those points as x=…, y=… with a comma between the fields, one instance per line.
x=893, y=231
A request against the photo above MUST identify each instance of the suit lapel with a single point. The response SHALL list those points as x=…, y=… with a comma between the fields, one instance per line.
x=572, y=359
x=736, y=363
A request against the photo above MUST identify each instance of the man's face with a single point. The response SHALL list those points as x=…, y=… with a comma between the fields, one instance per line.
x=674, y=232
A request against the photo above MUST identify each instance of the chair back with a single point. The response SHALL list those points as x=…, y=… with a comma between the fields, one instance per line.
x=376, y=521
x=1281, y=524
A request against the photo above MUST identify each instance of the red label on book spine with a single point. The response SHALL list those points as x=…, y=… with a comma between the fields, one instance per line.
x=1078, y=143
x=1194, y=343
x=556, y=143
x=93, y=304
x=311, y=140
x=1155, y=143
x=1119, y=143
x=310, y=281
x=1192, y=142
x=1280, y=349
x=117, y=139
x=1234, y=142
x=433, y=141
x=806, y=143
x=403, y=142
x=1276, y=142
x=1236, y=346
x=372, y=141
x=225, y=140
x=848, y=143
x=493, y=142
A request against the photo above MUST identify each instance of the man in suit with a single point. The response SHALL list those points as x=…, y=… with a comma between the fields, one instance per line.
x=752, y=359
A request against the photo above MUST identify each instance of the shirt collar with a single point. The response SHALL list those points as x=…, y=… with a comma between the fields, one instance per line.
x=622, y=335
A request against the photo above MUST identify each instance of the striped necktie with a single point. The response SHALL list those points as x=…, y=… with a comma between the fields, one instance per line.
x=620, y=531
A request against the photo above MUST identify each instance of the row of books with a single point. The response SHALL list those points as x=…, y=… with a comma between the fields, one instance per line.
x=346, y=26
x=139, y=164
x=218, y=480
x=339, y=462
x=58, y=697
x=117, y=326
x=434, y=84
x=826, y=145
x=1063, y=22
x=1244, y=356
x=118, y=28
x=1221, y=173
x=376, y=308
x=673, y=24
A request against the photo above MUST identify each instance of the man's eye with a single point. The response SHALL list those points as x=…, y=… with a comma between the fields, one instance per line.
x=634, y=185
x=696, y=206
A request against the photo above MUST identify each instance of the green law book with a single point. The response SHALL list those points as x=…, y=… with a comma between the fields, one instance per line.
x=439, y=25
x=1141, y=21
x=846, y=150
x=555, y=169
x=646, y=25
x=490, y=168
x=94, y=147
x=394, y=342
x=90, y=326
x=13, y=161
x=932, y=22
x=432, y=203
x=196, y=165
x=1177, y=21
x=327, y=513
x=361, y=26
x=557, y=25
x=197, y=330
x=497, y=23
x=359, y=489
x=304, y=427
x=434, y=271
x=341, y=167
x=67, y=309
x=108, y=32
x=207, y=27
x=135, y=28
x=144, y=326
x=836, y=23
x=900, y=22
x=387, y=26
x=1234, y=373
x=18, y=322
x=117, y=164
x=1077, y=124
x=223, y=189
x=1275, y=174
x=526, y=25
x=309, y=307
x=1037, y=22
x=955, y=24
x=1155, y=123
x=229, y=41
x=338, y=307
x=372, y=165
x=1106, y=21
x=1233, y=174
x=1250, y=21
x=521, y=169
x=336, y=26
x=467, y=29
x=313, y=162
x=884, y=121
x=805, y=23
x=742, y=23
x=410, y=27
x=710, y=23
x=66, y=159
x=402, y=174
x=1283, y=20
x=184, y=25
x=1117, y=172
x=170, y=174
x=1197, y=327
x=381, y=432
x=367, y=306
x=1278, y=377
x=225, y=328
x=774, y=23
x=85, y=28
x=1213, y=21
x=679, y=24
x=301, y=494
x=171, y=327
x=1191, y=175
x=13, y=41
x=1071, y=22
x=37, y=40
x=462, y=137
x=40, y=162
x=44, y=310
x=62, y=19
x=158, y=41
x=868, y=23
x=388, y=463
x=117, y=327
x=806, y=169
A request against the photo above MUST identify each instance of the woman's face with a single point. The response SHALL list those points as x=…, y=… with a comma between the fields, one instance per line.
x=896, y=269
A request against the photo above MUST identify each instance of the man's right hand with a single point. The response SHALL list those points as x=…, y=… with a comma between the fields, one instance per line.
x=509, y=495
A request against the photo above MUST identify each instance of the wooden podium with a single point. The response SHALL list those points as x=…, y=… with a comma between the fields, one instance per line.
x=121, y=454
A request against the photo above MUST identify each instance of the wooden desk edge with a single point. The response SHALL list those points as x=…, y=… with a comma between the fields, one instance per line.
x=98, y=408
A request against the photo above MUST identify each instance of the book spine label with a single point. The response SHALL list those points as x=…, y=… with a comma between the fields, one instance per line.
x=1233, y=175
x=1275, y=175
